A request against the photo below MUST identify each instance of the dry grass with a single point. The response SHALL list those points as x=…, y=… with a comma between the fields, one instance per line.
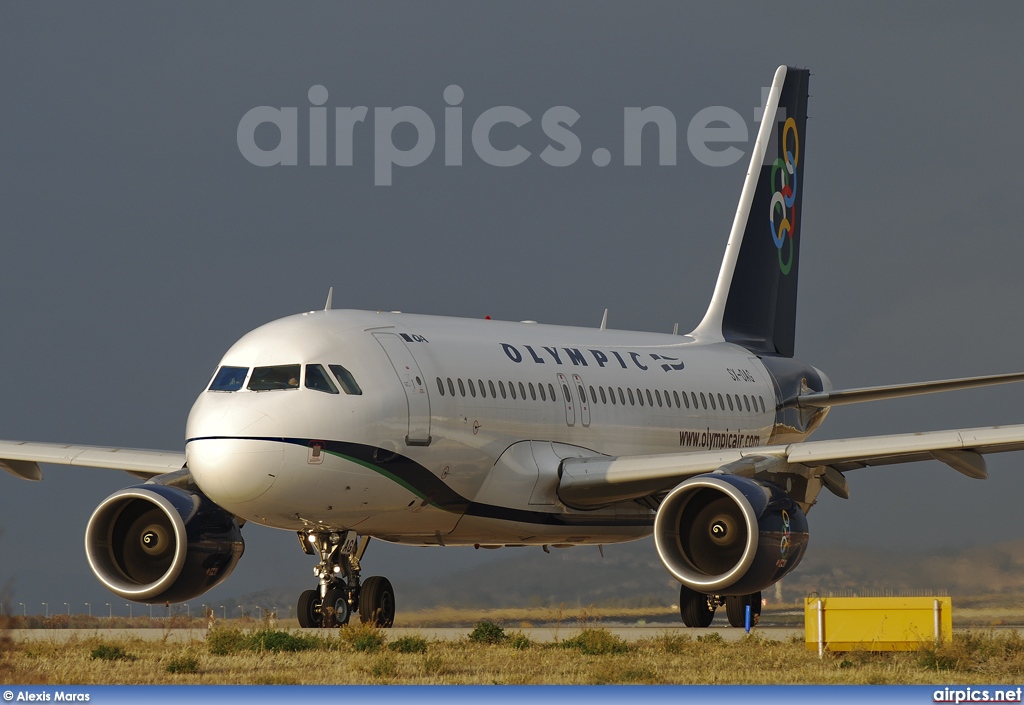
x=360, y=655
x=524, y=617
x=979, y=612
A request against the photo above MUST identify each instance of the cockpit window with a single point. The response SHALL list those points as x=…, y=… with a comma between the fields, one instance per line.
x=265, y=379
x=317, y=378
x=346, y=380
x=229, y=379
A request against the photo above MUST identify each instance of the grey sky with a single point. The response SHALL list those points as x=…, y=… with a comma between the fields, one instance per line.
x=138, y=243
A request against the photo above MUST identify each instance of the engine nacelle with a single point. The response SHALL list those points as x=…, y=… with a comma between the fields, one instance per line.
x=153, y=543
x=729, y=535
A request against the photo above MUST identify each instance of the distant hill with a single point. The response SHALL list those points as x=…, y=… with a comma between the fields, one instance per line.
x=632, y=575
x=996, y=568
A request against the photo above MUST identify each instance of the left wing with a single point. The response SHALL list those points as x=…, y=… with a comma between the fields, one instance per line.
x=594, y=482
x=22, y=459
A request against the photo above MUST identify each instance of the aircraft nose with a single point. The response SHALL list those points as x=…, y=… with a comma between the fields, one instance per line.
x=224, y=452
x=234, y=470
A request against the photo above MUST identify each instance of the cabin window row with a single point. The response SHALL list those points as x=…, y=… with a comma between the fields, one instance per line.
x=606, y=395
x=494, y=390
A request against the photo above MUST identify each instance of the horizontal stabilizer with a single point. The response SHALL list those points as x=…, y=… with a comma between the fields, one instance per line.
x=817, y=400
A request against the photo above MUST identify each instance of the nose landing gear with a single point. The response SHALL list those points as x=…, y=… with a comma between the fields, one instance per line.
x=340, y=593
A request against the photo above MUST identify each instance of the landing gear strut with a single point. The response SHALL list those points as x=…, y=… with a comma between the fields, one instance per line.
x=340, y=593
x=698, y=609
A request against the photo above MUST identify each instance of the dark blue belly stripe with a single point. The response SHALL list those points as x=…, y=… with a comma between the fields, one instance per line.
x=426, y=485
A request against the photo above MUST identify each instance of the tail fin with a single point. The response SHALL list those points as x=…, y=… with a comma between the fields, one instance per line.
x=754, y=304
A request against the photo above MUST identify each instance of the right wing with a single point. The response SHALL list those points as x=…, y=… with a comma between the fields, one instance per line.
x=22, y=459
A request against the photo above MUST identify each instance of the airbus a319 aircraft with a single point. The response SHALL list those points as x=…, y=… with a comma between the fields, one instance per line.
x=344, y=426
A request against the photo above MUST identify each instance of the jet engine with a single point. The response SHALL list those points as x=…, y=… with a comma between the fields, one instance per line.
x=729, y=535
x=155, y=543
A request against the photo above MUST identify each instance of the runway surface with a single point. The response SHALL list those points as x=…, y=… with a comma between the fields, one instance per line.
x=536, y=634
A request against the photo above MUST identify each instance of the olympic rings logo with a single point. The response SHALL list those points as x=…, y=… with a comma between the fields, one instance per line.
x=784, y=543
x=783, y=178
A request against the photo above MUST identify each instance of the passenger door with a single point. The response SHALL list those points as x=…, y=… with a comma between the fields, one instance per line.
x=413, y=383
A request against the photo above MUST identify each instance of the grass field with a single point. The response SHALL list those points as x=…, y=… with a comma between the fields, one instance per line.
x=975, y=613
x=490, y=653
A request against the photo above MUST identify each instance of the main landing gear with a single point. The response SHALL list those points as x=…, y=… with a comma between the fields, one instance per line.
x=340, y=594
x=698, y=609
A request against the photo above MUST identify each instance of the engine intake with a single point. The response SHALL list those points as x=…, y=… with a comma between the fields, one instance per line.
x=154, y=543
x=729, y=535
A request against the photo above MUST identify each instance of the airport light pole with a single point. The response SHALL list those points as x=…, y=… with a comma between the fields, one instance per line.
x=90, y=609
x=69, y=608
x=225, y=611
x=188, y=611
x=22, y=609
x=47, y=608
x=110, y=609
x=151, y=610
x=129, y=606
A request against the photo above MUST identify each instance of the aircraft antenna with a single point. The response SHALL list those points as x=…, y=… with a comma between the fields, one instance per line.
x=675, y=329
x=330, y=298
x=604, y=320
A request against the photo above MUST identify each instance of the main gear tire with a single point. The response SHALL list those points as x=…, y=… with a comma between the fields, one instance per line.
x=736, y=609
x=696, y=609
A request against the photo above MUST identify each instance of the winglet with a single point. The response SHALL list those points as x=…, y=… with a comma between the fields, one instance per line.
x=330, y=297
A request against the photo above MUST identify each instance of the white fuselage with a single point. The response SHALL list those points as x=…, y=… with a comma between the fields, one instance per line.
x=420, y=456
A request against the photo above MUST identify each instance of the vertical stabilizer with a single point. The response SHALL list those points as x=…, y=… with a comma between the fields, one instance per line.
x=754, y=304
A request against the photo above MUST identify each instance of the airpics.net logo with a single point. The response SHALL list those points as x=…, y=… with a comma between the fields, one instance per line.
x=712, y=135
